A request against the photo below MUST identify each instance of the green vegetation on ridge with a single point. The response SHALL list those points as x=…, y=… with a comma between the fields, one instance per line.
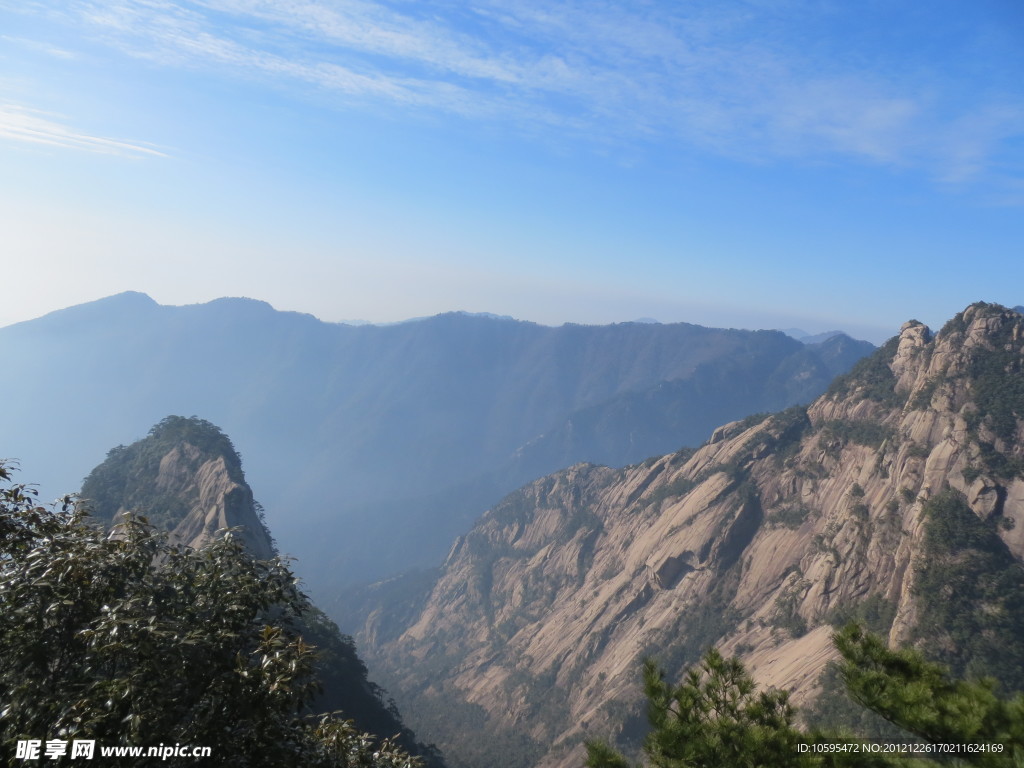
x=127, y=478
x=970, y=594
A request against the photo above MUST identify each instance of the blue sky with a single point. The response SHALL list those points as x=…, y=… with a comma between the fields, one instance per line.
x=755, y=164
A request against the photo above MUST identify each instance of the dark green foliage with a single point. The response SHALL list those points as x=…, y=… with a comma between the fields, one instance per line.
x=680, y=486
x=698, y=627
x=860, y=512
x=918, y=451
x=753, y=420
x=869, y=433
x=876, y=613
x=970, y=474
x=921, y=698
x=342, y=686
x=782, y=432
x=790, y=517
x=787, y=618
x=999, y=464
x=718, y=718
x=447, y=718
x=835, y=711
x=970, y=592
x=715, y=718
x=999, y=391
x=871, y=377
x=600, y=755
x=955, y=324
x=998, y=378
x=128, y=640
x=923, y=397
x=996, y=373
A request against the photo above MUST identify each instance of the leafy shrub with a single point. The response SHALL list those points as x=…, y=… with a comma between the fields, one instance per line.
x=790, y=517
x=129, y=640
x=861, y=432
x=970, y=474
x=923, y=397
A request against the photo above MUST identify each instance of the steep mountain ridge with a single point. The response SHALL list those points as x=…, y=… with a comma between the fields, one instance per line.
x=351, y=433
x=893, y=498
x=186, y=478
x=652, y=421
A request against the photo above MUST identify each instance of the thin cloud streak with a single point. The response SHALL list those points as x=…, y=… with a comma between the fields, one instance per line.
x=718, y=80
x=42, y=47
x=31, y=126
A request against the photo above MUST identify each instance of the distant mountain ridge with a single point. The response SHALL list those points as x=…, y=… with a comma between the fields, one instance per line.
x=810, y=338
x=896, y=499
x=373, y=446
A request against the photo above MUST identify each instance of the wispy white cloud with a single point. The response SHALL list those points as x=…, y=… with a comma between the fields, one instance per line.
x=25, y=125
x=40, y=46
x=972, y=140
x=740, y=79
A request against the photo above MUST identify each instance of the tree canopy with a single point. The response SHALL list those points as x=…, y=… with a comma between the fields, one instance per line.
x=128, y=640
x=717, y=717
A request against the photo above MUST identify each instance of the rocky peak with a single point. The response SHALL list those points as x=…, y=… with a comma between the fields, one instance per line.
x=186, y=478
x=914, y=337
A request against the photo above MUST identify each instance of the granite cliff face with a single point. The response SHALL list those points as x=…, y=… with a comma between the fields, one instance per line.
x=187, y=478
x=757, y=542
x=218, y=501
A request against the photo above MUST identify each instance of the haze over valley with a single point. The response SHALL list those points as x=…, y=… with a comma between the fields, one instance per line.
x=373, y=447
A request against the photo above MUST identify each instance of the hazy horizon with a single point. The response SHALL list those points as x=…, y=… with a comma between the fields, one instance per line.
x=753, y=164
x=874, y=335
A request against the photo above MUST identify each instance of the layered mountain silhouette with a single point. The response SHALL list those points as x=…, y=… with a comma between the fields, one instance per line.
x=373, y=446
x=895, y=499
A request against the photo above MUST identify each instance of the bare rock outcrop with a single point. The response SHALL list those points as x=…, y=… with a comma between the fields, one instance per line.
x=755, y=542
x=186, y=478
x=216, y=500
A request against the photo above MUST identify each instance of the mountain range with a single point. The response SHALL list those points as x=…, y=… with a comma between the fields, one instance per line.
x=373, y=446
x=895, y=499
x=892, y=499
